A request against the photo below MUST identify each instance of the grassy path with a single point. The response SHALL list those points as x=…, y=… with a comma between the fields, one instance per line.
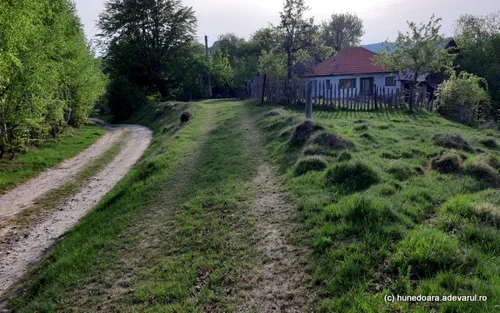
x=280, y=283
x=179, y=233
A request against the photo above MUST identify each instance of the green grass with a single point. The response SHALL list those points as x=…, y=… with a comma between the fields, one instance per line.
x=175, y=234
x=382, y=220
x=48, y=154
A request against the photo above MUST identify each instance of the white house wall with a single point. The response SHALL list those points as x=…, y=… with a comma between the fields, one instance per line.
x=378, y=80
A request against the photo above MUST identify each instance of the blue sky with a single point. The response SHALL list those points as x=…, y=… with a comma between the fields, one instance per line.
x=382, y=18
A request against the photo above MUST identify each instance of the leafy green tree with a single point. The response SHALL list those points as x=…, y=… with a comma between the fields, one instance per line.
x=148, y=42
x=342, y=30
x=48, y=75
x=274, y=65
x=463, y=97
x=295, y=31
x=221, y=71
x=478, y=40
x=418, y=52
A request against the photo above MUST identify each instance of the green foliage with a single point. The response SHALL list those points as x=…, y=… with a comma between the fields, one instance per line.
x=352, y=176
x=462, y=98
x=478, y=40
x=342, y=30
x=48, y=75
x=273, y=64
x=150, y=43
x=417, y=52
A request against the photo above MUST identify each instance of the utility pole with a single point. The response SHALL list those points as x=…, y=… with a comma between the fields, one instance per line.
x=208, y=63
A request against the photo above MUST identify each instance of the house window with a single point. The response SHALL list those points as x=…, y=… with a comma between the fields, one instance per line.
x=328, y=84
x=347, y=83
x=390, y=81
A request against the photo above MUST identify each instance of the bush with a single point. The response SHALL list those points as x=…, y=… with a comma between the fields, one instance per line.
x=427, y=251
x=461, y=97
x=309, y=164
x=352, y=176
x=447, y=163
x=451, y=141
x=333, y=141
x=400, y=171
x=303, y=132
x=483, y=172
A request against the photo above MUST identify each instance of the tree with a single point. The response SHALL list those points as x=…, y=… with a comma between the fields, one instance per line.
x=48, y=74
x=222, y=71
x=463, y=97
x=418, y=52
x=342, y=30
x=295, y=32
x=478, y=40
x=144, y=39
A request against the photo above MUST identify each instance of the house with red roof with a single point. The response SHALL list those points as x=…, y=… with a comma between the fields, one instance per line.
x=353, y=70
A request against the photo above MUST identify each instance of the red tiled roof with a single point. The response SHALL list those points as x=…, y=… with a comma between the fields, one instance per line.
x=348, y=61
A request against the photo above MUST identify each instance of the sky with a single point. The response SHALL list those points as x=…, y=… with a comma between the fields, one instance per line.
x=382, y=18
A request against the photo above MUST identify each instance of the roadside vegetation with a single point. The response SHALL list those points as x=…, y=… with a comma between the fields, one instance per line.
x=393, y=203
x=49, y=77
x=41, y=157
x=174, y=235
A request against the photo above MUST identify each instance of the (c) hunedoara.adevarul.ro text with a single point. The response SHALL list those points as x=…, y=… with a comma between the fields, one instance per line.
x=422, y=298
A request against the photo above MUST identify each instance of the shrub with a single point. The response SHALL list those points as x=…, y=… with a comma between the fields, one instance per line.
x=352, y=176
x=447, y=163
x=427, y=251
x=451, y=141
x=461, y=97
x=309, y=164
x=303, y=132
x=333, y=141
x=185, y=117
x=483, y=172
x=489, y=143
x=400, y=171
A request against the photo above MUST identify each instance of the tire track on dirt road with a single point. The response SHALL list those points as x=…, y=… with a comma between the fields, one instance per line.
x=16, y=258
x=280, y=282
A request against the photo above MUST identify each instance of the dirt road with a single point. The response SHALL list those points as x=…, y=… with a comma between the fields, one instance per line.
x=16, y=257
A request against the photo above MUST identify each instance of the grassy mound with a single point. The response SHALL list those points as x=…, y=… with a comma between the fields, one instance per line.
x=489, y=143
x=352, y=176
x=303, y=132
x=451, y=141
x=447, y=163
x=333, y=141
x=274, y=112
x=483, y=172
x=344, y=156
x=308, y=164
x=400, y=171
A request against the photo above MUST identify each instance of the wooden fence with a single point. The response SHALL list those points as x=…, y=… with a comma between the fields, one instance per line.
x=334, y=97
